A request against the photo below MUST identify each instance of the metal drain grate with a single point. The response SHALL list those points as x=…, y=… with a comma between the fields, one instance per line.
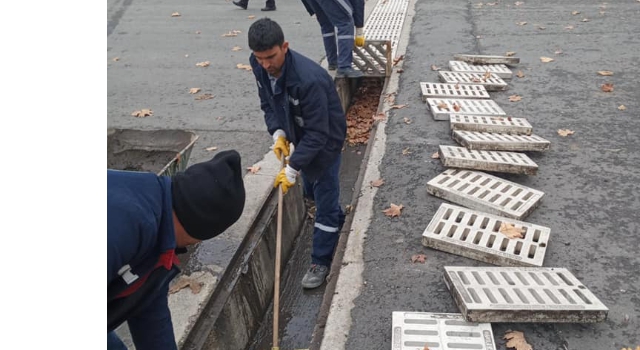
x=493, y=83
x=494, y=161
x=442, y=108
x=486, y=59
x=385, y=22
x=499, y=70
x=522, y=294
x=484, y=192
x=452, y=91
x=500, y=142
x=442, y=331
x=504, y=125
x=374, y=58
x=477, y=236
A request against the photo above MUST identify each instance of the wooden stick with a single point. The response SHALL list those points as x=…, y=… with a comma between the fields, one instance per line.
x=276, y=284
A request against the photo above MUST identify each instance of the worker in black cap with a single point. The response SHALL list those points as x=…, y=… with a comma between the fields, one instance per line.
x=149, y=219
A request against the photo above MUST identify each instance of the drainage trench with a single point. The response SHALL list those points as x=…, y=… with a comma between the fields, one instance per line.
x=301, y=310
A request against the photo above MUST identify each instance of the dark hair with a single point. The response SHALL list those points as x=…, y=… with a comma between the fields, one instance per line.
x=265, y=34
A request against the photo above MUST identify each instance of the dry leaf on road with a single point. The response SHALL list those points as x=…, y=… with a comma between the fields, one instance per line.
x=434, y=67
x=515, y=98
x=521, y=23
x=204, y=97
x=184, y=282
x=542, y=28
x=436, y=155
x=565, y=132
x=397, y=60
x=406, y=151
x=203, y=64
x=407, y=120
x=516, y=340
x=622, y=108
x=194, y=90
x=393, y=210
x=568, y=27
x=575, y=13
x=251, y=17
x=142, y=113
x=243, y=66
x=116, y=59
x=520, y=74
x=176, y=14
x=211, y=149
x=254, y=169
x=518, y=3
x=377, y=183
x=236, y=48
x=546, y=59
x=607, y=87
x=380, y=116
x=605, y=73
x=511, y=231
x=456, y=107
x=585, y=20
x=399, y=70
x=232, y=33
x=510, y=53
x=421, y=258
x=558, y=52
x=398, y=106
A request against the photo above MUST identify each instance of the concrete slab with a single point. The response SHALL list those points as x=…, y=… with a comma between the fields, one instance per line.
x=493, y=83
x=431, y=90
x=500, y=142
x=499, y=70
x=493, y=161
x=442, y=108
x=499, y=125
x=522, y=294
x=447, y=331
x=476, y=235
x=484, y=192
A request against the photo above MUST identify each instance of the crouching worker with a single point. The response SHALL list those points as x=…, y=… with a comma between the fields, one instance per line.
x=149, y=217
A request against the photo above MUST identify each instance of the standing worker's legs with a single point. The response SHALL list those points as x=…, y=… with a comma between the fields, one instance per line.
x=340, y=14
x=328, y=34
x=328, y=222
x=114, y=342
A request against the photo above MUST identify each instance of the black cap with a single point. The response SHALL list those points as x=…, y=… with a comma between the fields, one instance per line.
x=208, y=197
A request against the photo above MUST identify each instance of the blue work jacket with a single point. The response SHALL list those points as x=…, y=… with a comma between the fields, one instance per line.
x=305, y=104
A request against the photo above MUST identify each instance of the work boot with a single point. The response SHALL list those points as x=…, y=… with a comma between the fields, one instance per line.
x=348, y=73
x=241, y=3
x=269, y=7
x=333, y=66
x=315, y=276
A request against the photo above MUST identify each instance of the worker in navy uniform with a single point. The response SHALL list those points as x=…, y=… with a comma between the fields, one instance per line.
x=301, y=106
x=150, y=218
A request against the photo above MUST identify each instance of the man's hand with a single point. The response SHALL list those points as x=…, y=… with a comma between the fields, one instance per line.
x=286, y=177
x=281, y=145
x=359, y=37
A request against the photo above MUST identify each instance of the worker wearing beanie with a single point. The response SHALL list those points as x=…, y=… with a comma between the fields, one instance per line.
x=149, y=218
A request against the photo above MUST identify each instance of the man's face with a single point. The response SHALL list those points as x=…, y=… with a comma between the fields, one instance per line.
x=272, y=60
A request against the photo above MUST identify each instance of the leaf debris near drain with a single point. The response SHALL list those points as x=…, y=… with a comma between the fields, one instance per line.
x=203, y=64
x=515, y=98
x=380, y=116
x=607, y=87
x=418, y=258
x=456, y=107
x=546, y=59
x=393, y=210
x=254, y=169
x=565, y=132
x=436, y=155
x=184, y=282
x=406, y=151
x=622, y=108
x=142, y=113
x=244, y=66
x=605, y=73
x=442, y=106
x=520, y=74
x=434, y=67
x=397, y=60
x=377, y=183
x=516, y=340
x=194, y=90
x=511, y=231
x=176, y=14
x=510, y=53
x=398, y=106
x=486, y=75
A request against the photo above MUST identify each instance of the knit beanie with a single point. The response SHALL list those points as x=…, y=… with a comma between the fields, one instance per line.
x=208, y=197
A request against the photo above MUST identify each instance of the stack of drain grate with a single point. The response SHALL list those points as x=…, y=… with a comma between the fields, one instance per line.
x=485, y=220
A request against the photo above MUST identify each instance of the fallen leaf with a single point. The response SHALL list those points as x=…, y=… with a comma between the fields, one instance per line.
x=211, y=149
x=568, y=27
x=456, y=107
x=476, y=80
x=399, y=70
x=434, y=67
x=575, y=13
x=380, y=116
x=558, y=52
x=622, y=108
x=176, y=14
x=348, y=209
x=421, y=258
x=436, y=155
x=229, y=34
x=407, y=120
x=486, y=75
x=116, y=59
x=184, y=282
x=377, y=183
x=393, y=210
x=406, y=151
x=243, y=66
x=203, y=64
x=397, y=60
x=605, y=73
x=542, y=27
x=398, y=106
x=491, y=3
x=546, y=59
x=515, y=98
x=442, y=106
x=520, y=74
x=194, y=90
x=204, y=97
x=511, y=231
x=198, y=32
x=516, y=340
x=565, y=132
x=607, y=87
x=585, y=20
x=251, y=17
x=236, y=48
x=510, y=53
x=142, y=113
x=521, y=23
x=518, y=3
x=254, y=169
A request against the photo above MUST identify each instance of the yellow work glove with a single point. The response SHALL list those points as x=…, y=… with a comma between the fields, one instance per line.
x=359, y=37
x=286, y=177
x=280, y=145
